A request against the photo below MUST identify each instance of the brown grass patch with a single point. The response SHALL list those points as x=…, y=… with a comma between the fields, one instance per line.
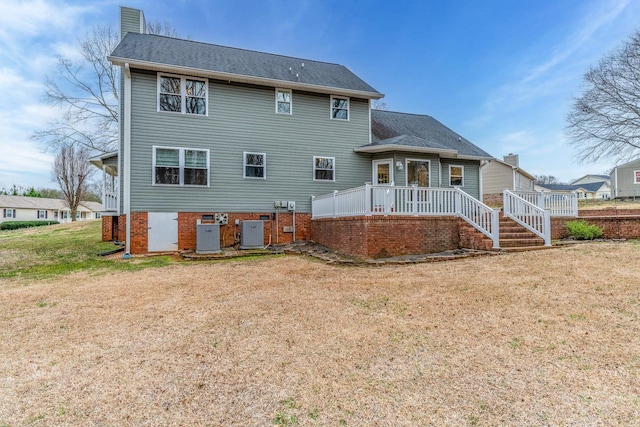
x=539, y=338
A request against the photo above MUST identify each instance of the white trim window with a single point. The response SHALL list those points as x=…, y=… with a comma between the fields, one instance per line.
x=180, y=166
x=185, y=95
x=284, y=101
x=42, y=214
x=9, y=213
x=456, y=176
x=339, y=107
x=636, y=177
x=254, y=165
x=418, y=172
x=324, y=168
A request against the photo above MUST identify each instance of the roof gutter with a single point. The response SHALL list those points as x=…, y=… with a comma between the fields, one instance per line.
x=231, y=77
x=442, y=152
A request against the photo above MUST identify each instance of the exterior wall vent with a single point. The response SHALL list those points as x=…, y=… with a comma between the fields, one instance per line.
x=208, y=239
x=251, y=234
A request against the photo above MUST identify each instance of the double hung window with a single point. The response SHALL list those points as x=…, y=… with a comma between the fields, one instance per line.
x=254, y=165
x=180, y=166
x=42, y=214
x=283, y=101
x=324, y=168
x=186, y=95
x=9, y=213
x=339, y=108
x=456, y=176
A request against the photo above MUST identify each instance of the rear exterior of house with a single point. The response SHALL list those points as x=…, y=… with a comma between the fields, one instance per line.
x=625, y=180
x=217, y=134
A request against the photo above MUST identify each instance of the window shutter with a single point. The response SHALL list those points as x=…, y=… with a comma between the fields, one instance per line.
x=4, y=213
x=46, y=214
x=14, y=214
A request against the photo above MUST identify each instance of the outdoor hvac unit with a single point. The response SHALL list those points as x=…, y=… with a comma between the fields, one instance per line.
x=251, y=234
x=208, y=238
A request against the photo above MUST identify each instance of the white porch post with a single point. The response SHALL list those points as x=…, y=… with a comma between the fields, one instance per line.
x=127, y=158
x=414, y=189
x=547, y=227
x=495, y=228
x=367, y=199
x=335, y=195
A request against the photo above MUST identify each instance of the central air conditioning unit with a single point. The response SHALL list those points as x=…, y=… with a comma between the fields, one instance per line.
x=251, y=234
x=208, y=239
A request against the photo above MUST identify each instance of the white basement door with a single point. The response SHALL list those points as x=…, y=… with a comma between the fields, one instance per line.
x=163, y=231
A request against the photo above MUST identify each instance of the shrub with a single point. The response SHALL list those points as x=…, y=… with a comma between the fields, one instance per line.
x=582, y=230
x=14, y=225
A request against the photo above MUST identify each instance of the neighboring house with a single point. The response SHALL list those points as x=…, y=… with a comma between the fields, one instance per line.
x=593, y=190
x=625, y=180
x=589, y=179
x=212, y=132
x=22, y=208
x=500, y=175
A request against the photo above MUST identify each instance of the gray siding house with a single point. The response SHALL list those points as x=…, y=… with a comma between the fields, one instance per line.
x=625, y=180
x=209, y=131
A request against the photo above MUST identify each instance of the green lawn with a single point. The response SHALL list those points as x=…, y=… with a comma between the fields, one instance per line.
x=61, y=249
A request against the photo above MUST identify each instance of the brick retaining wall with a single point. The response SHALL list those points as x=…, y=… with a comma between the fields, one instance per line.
x=615, y=224
x=382, y=237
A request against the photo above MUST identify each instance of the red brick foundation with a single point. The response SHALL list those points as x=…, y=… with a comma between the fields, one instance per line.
x=274, y=228
x=382, y=237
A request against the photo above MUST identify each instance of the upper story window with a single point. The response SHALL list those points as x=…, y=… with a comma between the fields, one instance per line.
x=186, y=95
x=636, y=177
x=339, y=108
x=254, y=165
x=283, y=101
x=456, y=176
x=8, y=213
x=180, y=166
x=42, y=214
x=324, y=168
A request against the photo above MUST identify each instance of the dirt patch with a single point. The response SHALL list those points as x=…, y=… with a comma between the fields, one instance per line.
x=537, y=338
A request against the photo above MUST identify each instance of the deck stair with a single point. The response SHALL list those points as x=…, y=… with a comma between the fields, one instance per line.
x=514, y=237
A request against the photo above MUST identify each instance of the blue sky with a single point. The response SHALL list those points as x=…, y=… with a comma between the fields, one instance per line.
x=501, y=73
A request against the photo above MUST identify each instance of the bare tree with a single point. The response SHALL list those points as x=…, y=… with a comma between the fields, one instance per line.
x=87, y=93
x=547, y=179
x=377, y=104
x=71, y=170
x=604, y=121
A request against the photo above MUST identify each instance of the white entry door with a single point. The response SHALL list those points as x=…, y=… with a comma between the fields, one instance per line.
x=163, y=231
x=382, y=198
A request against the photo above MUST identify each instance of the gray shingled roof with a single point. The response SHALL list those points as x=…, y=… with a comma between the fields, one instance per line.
x=152, y=49
x=23, y=202
x=413, y=130
x=592, y=186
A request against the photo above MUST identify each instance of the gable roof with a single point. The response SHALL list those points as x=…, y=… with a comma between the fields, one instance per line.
x=624, y=165
x=42, y=203
x=159, y=53
x=393, y=131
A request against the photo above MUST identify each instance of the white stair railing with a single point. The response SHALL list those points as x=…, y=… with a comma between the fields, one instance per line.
x=528, y=215
x=480, y=216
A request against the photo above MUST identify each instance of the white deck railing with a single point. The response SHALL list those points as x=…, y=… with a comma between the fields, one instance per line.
x=110, y=202
x=528, y=215
x=416, y=201
x=559, y=204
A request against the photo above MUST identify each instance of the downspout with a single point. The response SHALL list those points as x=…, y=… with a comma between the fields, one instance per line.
x=127, y=158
